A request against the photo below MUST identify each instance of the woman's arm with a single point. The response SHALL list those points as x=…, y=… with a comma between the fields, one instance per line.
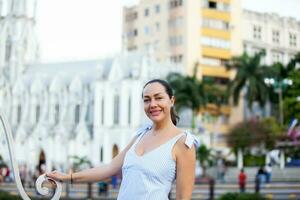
x=185, y=170
x=94, y=174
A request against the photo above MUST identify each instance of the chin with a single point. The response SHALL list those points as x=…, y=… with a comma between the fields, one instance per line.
x=156, y=119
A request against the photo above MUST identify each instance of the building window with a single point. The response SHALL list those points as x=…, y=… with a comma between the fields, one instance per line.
x=215, y=23
x=157, y=8
x=116, y=109
x=56, y=115
x=77, y=114
x=37, y=113
x=176, y=40
x=215, y=42
x=146, y=30
x=131, y=17
x=157, y=26
x=8, y=48
x=19, y=114
x=101, y=154
x=146, y=12
x=211, y=61
x=275, y=36
x=132, y=33
x=277, y=56
x=175, y=3
x=175, y=22
x=212, y=4
x=293, y=40
x=176, y=58
x=129, y=111
x=257, y=32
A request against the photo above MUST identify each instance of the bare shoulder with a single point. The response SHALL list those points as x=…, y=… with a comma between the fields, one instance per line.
x=181, y=149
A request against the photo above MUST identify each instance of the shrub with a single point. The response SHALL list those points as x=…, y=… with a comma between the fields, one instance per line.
x=7, y=196
x=241, y=196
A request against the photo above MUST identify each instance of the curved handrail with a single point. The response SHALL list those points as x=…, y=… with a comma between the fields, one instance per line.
x=39, y=181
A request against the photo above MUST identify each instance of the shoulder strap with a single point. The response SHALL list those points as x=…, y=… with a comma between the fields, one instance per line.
x=143, y=130
x=191, y=140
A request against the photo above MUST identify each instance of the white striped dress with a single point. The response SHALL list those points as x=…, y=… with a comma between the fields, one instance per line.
x=150, y=176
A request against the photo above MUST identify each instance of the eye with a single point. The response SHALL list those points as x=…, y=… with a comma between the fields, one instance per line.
x=159, y=98
x=146, y=100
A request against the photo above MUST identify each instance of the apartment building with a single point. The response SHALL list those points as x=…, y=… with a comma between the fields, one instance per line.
x=189, y=32
x=279, y=36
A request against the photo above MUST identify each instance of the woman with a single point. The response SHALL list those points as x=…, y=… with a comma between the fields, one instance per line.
x=158, y=155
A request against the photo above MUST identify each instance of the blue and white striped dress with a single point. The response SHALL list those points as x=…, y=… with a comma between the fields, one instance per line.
x=151, y=175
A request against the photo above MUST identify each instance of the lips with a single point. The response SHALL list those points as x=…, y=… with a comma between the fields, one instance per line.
x=155, y=112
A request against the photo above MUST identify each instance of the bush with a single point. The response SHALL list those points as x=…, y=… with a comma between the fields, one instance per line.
x=254, y=160
x=7, y=196
x=241, y=196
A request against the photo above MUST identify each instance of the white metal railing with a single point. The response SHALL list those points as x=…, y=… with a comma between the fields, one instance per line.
x=42, y=190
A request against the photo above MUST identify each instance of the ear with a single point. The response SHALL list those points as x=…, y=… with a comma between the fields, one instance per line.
x=173, y=100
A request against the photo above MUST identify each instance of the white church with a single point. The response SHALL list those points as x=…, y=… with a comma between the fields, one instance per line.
x=86, y=108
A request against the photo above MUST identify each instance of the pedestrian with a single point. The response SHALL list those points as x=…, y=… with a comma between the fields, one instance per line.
x=242, y=180
x=153, y=159
x=268, y=172
x=259, y=179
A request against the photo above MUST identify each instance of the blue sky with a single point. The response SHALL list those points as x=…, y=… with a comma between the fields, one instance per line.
x=81, y=29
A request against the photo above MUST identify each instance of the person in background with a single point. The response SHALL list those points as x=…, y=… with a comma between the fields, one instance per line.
x=260, y=178
x=268, y=171
x=242, y=180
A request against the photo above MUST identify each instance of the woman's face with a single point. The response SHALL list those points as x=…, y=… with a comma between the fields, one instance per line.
x=157, y=103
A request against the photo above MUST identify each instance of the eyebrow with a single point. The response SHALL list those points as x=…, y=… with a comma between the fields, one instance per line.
x=147, y=96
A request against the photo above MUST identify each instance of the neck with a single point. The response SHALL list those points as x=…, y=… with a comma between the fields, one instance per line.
x=158, y=127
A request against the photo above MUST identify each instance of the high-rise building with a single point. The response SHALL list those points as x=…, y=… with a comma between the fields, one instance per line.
x=206, y=33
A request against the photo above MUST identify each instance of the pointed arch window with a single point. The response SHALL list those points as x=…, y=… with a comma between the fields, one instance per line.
x=56, y=115
x=101, y=154
x=77, y=113
x=129, y=110
x=37, y=113
x=116, y=109
x=8, y=48
x=19, y=113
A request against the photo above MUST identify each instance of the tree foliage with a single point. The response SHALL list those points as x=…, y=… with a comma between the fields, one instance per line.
x=250, y=74
x=188, y=91
x=254, y=133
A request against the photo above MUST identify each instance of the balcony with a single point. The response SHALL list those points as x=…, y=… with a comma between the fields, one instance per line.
x=216, y=14
x=210, y=32
x=216, y=52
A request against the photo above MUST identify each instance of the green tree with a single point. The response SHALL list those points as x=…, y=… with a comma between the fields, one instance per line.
x=291, y=102
x=189, y=93
x=250, y=74
x=254, y=133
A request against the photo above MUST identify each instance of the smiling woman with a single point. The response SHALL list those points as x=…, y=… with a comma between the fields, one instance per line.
x=159, y=154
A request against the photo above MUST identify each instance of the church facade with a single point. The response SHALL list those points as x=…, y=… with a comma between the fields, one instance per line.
x=86, y=108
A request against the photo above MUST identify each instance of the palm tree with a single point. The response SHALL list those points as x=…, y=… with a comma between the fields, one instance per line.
x=189, y=92
x=250, y=74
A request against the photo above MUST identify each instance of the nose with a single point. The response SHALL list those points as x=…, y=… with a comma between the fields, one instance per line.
x=152, y=103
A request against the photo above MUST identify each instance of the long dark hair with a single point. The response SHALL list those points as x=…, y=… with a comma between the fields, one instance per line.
x=169, y=91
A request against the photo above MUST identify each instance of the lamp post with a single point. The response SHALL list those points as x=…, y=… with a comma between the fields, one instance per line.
x=280, y=86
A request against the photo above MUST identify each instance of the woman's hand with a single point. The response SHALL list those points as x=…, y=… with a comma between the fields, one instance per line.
x=58, y=176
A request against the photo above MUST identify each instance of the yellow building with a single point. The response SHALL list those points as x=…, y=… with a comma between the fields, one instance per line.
x=207, y=32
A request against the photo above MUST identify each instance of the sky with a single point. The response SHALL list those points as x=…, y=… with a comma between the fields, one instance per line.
x=84, y=29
